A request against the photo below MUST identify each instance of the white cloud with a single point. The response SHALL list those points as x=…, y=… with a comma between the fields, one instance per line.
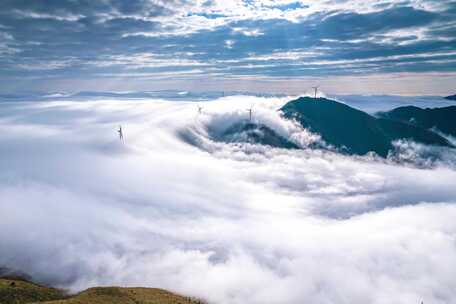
x=46, y=65
x=58, y=17
x=293, y=55
x=148, y=60
x=230, y=223
x=248, y=32
x=185, y=74
x=6, y=41
x=191, y=17
x=127, y=62
x=229, y=44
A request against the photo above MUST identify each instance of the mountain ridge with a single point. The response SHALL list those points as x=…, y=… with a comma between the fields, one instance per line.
x=354, y=131
x=451, y=97
x=442, y=119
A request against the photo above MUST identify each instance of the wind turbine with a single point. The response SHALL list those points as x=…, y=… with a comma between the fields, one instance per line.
x=316, y=90
x=120, y=133
x=250, y=113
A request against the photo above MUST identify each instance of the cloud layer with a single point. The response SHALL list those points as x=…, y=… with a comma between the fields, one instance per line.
x=226, y=42
x=231, y=223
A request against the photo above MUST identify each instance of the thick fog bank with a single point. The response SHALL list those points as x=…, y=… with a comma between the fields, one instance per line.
x=228, y=222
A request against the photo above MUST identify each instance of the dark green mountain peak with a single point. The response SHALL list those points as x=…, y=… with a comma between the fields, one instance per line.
x=352, y=130
x=247, y=131
x=451, y=97
x=442, y=119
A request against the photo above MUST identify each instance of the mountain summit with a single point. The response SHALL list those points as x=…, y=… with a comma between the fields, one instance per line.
x=354, y=131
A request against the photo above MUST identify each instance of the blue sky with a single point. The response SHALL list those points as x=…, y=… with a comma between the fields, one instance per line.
x=372, y=46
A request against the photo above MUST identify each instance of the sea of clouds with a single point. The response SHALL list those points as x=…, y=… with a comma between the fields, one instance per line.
x=230, y=223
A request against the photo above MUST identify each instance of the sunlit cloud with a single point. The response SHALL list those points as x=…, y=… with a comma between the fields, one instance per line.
x=299, y=38
x=231, y=223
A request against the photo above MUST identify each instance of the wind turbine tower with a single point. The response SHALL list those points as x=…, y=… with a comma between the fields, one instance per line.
x=315, y=90
x=120, y=133
x=250, y=113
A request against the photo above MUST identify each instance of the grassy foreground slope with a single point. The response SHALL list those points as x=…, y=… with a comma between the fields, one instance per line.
x=14, y=291
x=117, y=295
x=18, y=291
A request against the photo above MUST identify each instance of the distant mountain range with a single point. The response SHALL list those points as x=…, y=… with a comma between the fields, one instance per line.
x=162, y=94
x=352, y=131
x=441, y=119
x=452, y=97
